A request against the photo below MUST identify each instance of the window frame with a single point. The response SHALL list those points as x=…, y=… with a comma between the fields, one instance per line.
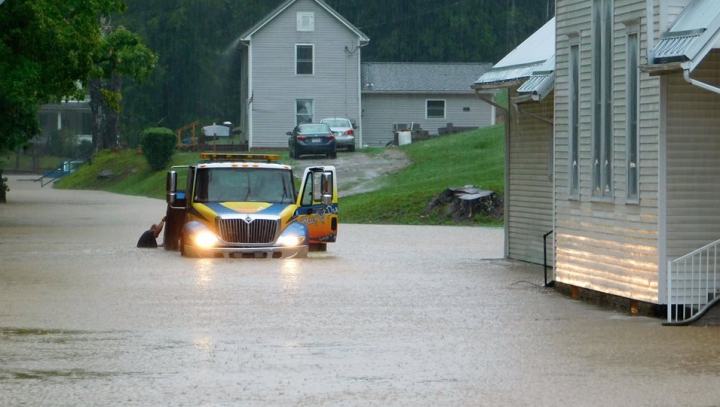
x=632, y=163
x=427, y=108
x=310, y=114
x=574, y=119
x=602, y=117
x=304, y=62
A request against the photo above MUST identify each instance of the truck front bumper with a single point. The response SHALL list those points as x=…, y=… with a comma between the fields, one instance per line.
x=272, y=252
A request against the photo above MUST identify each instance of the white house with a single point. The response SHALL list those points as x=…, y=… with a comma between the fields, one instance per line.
x=302, y=64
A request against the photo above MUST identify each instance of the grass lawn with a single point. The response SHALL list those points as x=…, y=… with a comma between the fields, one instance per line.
x=472, y=158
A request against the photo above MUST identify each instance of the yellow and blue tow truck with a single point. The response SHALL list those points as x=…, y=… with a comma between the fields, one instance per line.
x=247, y=205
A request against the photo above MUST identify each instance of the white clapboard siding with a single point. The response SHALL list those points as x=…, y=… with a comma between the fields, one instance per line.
x=334, y=86
x=529, y=213
x=607, y=246
x=382, y=110
x=693, y=160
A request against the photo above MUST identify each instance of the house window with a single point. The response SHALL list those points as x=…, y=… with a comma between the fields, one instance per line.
x=304, y=109
x=435, y=109
x=633, y=90
x=574, y=111
x=305, y=21
x=602, y=64
x=304, y=59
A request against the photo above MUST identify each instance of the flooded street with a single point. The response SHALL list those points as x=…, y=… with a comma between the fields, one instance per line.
x=389, y=316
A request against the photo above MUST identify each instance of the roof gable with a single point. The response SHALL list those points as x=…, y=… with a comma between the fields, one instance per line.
x=247, y=35
x=420, y=77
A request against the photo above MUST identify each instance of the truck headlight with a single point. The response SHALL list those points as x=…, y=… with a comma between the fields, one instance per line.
x=205, y=239
x=290, y=240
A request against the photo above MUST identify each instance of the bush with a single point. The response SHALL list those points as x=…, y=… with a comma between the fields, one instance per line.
x=62, y=143
x=158, y=146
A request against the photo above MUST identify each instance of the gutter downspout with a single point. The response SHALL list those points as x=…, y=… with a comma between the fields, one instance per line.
x=506, y=115
x=534, y=116
x=650, y=17
x=248, y=125
x=491, y=102
x=360, y=89
x=702, y=85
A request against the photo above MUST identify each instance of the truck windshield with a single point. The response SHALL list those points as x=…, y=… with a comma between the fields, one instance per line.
x=244, y=185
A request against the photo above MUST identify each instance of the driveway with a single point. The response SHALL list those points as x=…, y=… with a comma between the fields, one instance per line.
x=359, y=172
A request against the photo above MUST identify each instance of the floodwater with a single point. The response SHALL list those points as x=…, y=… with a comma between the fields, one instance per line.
x=389, y=316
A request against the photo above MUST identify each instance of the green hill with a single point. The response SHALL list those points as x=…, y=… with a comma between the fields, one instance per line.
x=471, y=158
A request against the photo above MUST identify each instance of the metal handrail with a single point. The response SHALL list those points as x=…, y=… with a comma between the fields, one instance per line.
x=693, y=283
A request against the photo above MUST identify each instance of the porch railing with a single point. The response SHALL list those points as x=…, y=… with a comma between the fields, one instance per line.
x=693, y=284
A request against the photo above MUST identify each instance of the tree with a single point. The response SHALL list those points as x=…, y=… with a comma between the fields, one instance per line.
x=121, y=54
x=45, y=52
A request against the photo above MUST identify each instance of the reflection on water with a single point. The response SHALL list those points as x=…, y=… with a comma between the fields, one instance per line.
x=205, y=346
x=290, y=269
x=204, y=273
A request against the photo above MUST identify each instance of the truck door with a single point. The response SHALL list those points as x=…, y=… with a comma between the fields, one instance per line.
x=318, y=204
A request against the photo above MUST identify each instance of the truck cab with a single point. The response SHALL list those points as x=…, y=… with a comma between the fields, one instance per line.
x=248, y=205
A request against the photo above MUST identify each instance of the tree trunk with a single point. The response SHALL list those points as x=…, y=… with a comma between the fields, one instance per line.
x=106, y=119
x=463, y=204
x=98, y=108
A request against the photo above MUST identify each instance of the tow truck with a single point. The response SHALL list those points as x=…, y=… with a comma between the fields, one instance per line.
x=247, y=206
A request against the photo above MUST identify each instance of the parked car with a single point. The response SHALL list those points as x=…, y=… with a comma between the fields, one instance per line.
x=312, y=138
x=344, y=132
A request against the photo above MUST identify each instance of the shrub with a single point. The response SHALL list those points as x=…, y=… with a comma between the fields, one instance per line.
x=158, y=146
x=62, y=143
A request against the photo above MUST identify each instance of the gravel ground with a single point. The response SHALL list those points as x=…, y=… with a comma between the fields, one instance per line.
x=357, y=172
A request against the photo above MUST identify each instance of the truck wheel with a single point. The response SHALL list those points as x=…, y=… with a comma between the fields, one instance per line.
x=297, y=153
x=174, y=220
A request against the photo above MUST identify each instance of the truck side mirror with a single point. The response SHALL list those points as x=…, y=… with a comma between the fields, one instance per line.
x=326, y=181
x=173, y=197
x=171, y=187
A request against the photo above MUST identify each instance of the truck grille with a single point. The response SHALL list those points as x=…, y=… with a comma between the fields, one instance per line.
x=241, y=231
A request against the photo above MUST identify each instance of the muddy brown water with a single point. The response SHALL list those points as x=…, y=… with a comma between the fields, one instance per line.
x=389, y=316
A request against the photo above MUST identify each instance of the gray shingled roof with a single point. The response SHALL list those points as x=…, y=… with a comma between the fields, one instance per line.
x=421, y=77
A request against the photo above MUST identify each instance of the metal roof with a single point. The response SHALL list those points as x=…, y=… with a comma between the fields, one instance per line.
x=420, y=77
x=692, y=35
x=245, y=37
x=541, y=82
x=525, y=59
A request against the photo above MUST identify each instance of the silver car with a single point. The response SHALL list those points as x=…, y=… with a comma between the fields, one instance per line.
x=344, y=132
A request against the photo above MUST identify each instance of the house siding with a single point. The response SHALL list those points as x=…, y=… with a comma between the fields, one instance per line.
x=693, y=160
x=671, y=9
x=529, y=182
x=606, y=246
x=334, y=85
x=382, y=110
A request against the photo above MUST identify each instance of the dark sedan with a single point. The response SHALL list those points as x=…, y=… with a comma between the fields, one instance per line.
x=312, y=138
